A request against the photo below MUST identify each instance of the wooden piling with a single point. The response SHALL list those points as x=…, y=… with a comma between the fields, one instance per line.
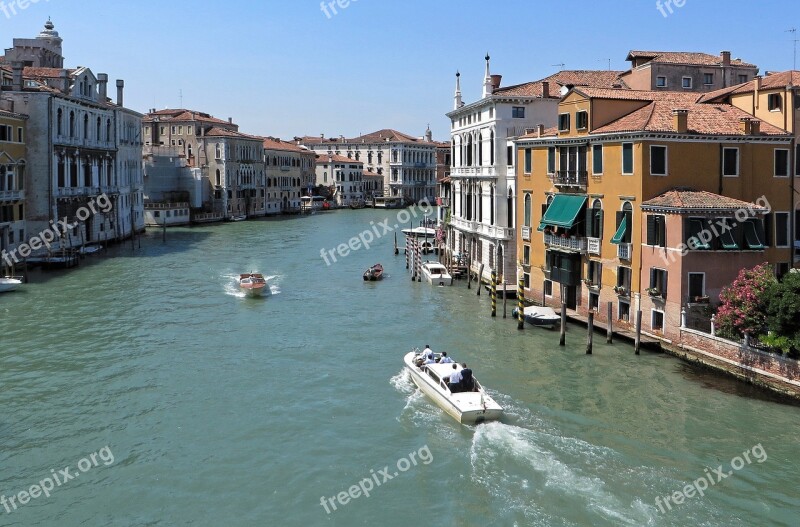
x=505, y=289
x=469, y=271
x=638, y=340
x=396, y=250
x=480, y=274
x=520, y=306
x=590, y=333
x=494, y=293
x=609, y=328
x=562, y=340
x=419, y=261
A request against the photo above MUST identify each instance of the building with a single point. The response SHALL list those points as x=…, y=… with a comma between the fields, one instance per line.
x=290, y=173
x=345, y=175
x=481, y=187
x=12, y=183
x=608, y=195
x=407, y=164
x=81, y=146
x=685, y=71
x=373, y=184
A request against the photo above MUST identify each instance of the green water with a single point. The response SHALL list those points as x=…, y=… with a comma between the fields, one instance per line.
x=226, y=411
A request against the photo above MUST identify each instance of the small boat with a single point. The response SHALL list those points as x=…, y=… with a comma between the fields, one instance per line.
x=541, y=316
x=9, y=283
x=358, y=204
x=237, y=218
x=471, y=406
x=89, y=249
x=373, y=273
x=436, y=273
x=253, y=284
x=425, y=236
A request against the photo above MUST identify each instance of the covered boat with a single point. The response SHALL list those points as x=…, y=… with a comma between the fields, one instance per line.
x=374, y=273
x=253, y=284
x=542, y=316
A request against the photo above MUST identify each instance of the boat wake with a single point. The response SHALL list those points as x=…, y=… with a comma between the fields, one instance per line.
x=231, y=285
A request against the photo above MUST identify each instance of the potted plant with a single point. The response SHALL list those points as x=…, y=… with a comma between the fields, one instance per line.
x=701, y=299
x=653, y=291
x=619, y=289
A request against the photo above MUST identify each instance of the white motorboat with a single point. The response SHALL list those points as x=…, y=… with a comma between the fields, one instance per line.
x=436, y=273
x=542, y=316
x=424, y=236
x=9, y=283
x=468, y=407
x=253, y=284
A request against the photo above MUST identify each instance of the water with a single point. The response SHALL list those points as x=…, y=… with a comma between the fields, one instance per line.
x=223, y=410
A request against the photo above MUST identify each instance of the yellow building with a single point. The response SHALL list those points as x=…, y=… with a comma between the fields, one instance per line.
x=12, y=185
x=582, y=185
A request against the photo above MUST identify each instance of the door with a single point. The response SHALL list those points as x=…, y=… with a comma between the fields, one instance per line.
x=571, y=296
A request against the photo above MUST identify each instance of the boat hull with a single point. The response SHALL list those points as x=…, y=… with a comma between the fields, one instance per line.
x=9, y=284
x=465, y=407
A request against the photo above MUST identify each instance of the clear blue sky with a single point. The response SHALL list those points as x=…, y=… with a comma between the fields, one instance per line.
x=283, y=68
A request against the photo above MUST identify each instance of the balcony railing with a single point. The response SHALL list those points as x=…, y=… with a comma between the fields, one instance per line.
x=571, y=243
x=624, y=251
x=77, y=191
x=571, y=178
x=526, y=234
x=593, y=245
x=12, y=195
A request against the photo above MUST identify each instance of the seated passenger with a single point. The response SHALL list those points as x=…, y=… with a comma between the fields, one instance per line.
x=445, y=359
x=427, y=352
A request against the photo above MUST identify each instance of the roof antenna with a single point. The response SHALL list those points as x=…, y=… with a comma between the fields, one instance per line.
x=559, y=65
x=793, y=31
x=180, y=95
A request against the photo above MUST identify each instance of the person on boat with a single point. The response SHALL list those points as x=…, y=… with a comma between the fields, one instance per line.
x=455, y=379
x=430, y=360
x=427, y=352
x=445, y=359
x=467, y=382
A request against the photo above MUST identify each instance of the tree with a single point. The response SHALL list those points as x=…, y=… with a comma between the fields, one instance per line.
x=743, y=303
x=783, y=310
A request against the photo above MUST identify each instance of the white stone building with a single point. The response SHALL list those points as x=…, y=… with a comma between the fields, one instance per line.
x=290, y=174
x=345, y=175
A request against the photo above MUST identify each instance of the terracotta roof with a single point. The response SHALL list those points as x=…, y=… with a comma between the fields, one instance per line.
x=324, y=160
x=770, y=82
x=4, y=113
x=274, y=143
x=547, y=132
x=183, y=115
x=599, y=78
x=45, y=73
x=226, y=132
x=697, y=200
x=367, y=173
x=380, y=136
x=683, y=57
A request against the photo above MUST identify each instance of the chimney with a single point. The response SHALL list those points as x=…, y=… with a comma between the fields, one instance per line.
x=230, y=120
x=755, y=127
x=539, y=130
x=756, y=89
x=102, y=82
x=545, y=89
x=746, y=125
x=496, y=81
x=726, y=58
x=680, y=119
x=16, y=79
x=120, y=87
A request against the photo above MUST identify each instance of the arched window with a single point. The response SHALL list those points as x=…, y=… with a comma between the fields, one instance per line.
x=60, y=122
x=594, y=222
x=108, y=130
x=469, y=150
x=491, y=205
x=491, y=148
x=218, y=180
x=98, y=137
x=527, y=219
x=86, y=126
x=510, y=209
x=72, y=124
x=480, y=149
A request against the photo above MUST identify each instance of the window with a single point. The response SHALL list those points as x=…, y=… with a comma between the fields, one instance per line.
x=594, y=220
x=624, y=275
x=527, y=218
x=528, y=160
x=697, y=285
x=20, y=136
x=518, y=112
x=658, y=282
x=797, y=157
x=661, y=81
x=781, y=229
x=781, y=162
x=754, y=234
x=656, y=230
x=658, y=160
x=774, y=102
x=526, y=280
x=597, y=159
x=708, y=78
x=742, y=79
x=696, y=236
x=657, y=320
x=526, y=255
x=686, y=83
x=551, y=160
x=595, y=272
x=730, y=162
x=582, y=120
x=563, y=122
x=627, y=158
x=548, y=288
x=510, y=155
x=624, y=310
x=594, y=301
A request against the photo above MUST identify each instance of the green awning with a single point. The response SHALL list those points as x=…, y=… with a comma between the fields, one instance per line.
x=620, y=234
x=563, y=211
x=727, y=240
x=751, y=234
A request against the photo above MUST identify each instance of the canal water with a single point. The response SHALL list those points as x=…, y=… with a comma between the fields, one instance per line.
x=220, y=410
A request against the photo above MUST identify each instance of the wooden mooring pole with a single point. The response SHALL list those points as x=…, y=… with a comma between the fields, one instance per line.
x=494, y=293
x=520, y=306
x=590, y=333
x=480, y=274
x=609, y=328
x=638, y=340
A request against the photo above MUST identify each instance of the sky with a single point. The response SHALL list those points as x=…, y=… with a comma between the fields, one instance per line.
x=289, y=68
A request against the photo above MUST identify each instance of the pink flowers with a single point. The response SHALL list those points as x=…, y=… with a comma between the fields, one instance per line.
x=743, y=307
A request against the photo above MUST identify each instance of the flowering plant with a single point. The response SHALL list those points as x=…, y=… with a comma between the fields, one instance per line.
x=743, y=303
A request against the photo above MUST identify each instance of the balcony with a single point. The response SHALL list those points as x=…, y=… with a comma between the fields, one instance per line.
x=526, y=234
x=493, y=232
x=69, y=192
x=572, y=243
x=571, y=178
x=593, y=245
x=12, y=195
x=624, y=251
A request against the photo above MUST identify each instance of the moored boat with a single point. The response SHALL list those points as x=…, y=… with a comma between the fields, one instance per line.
x=470, y=406
x=436, y=273
x=253, y=284
x=9, y=283
x=541, y=316
x=374, y=273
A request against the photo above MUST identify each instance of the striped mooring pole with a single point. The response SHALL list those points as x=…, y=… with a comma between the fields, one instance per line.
x=520, y=307
x=494, y=293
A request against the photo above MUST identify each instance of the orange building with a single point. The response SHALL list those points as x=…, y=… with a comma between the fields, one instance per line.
x=586, y=191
